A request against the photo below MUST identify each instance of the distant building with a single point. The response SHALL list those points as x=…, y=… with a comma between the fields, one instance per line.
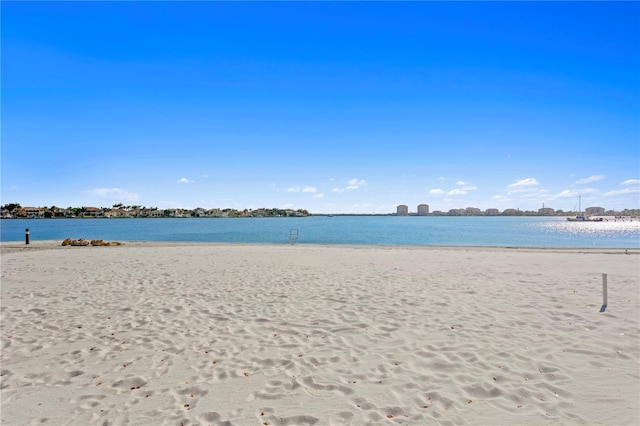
x=546, y=211
x=472, y=211
x=93, y=212
x=150, y=213
x=596, y=211
x=402, y=210
x=423, y=209
x=199, y=212
x=31, y=212
x=174, y=213
x=492, y=212
x=511, y=212
x=118, y=213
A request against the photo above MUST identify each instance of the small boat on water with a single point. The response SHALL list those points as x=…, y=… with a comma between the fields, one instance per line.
x=581, y=217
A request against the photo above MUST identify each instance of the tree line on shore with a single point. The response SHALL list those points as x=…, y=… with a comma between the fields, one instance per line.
x=15, y=210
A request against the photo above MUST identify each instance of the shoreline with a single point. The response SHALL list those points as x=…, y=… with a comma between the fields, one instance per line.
x=11, y=246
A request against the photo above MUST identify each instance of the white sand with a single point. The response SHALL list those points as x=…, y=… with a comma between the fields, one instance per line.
x=148, y=334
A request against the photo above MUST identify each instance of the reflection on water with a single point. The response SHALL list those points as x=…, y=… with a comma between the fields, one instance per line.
x=605, y=229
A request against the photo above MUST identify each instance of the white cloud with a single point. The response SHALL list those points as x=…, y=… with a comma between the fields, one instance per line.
x=441, y=178
x=590, y=179
x=524, y=185
x=184, y=180
x=625, y=191
x=356, y=183
x=352, y=185
x=567, y=193
x=528, y=182
x=457, y=192
x=306, y=189
x=575, y=192
x=115, y=193
x=631, y=182
x=465, y=188
x=318, y=195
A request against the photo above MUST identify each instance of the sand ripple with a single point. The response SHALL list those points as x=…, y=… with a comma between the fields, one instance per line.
x=297, y=335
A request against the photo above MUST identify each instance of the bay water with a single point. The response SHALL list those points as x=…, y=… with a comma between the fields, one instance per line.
x=359, y=230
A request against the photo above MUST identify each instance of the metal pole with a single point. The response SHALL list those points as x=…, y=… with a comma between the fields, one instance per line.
x=26, y=236
x=604, y=293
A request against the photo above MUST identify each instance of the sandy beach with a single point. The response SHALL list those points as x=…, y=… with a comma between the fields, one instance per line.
x=221, y=334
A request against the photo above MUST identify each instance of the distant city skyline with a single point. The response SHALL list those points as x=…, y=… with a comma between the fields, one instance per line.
x=333, y=107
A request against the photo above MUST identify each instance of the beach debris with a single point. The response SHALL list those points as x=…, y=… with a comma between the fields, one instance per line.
x=71, y=242
x=105, y=243
x=85, y=242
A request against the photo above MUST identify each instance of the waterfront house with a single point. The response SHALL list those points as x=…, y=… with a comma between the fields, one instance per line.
x=117, y=213
x=31, y=212
x=92, y=212
x=149, y=213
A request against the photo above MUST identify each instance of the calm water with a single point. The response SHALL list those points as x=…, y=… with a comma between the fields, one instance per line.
x=454, y=231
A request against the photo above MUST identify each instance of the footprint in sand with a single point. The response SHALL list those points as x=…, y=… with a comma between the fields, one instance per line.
x=188, y=397
x=129, y=384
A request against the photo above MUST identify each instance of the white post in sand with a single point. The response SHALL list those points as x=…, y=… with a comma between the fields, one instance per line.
x=604, y=293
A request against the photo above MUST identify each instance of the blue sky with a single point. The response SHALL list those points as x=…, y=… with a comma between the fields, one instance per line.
x=334, y=107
